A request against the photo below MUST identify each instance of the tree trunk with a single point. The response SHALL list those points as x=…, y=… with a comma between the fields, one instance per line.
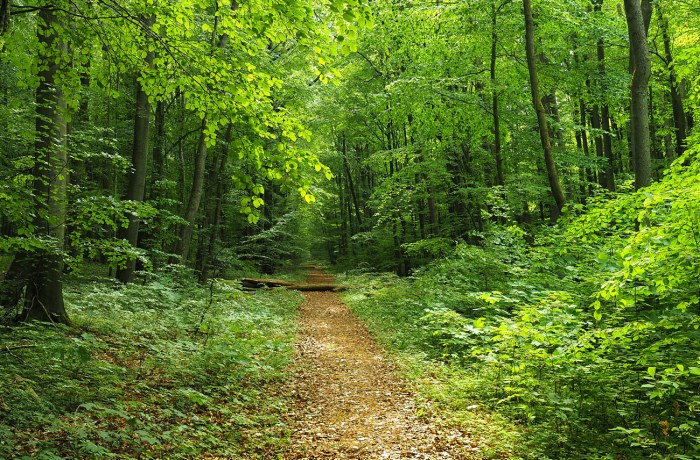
x=679, y=120
x=588, y=173
x=500, y=179
x=5, y=6
x=186, y=230
x=137, y=176
x=343, y=244
x=604, y=114
x=598, y=143
x=218, y=170
x=44, y=290
x=182, y=248
x=639, y=110
x=552, y=174
x=351, y=185
x=158, y=150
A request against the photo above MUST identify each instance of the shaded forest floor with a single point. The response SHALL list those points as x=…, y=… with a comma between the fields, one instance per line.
x=347, y=400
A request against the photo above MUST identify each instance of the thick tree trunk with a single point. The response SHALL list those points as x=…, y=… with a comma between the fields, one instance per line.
x=137, y=177
x=44, y=290
x=639, y=110
x=552, y=174
x=5, y=9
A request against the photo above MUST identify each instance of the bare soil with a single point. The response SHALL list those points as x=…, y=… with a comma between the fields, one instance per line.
x=348, y=401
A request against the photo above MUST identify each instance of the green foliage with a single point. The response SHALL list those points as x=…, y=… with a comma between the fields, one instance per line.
x=164, y=369
x=588, y=338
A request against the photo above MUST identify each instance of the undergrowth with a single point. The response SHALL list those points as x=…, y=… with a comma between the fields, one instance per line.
x=392, y=308
x=583, y=343
x=166, y=369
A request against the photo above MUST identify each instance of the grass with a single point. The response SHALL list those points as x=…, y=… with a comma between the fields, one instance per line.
x=167, y=369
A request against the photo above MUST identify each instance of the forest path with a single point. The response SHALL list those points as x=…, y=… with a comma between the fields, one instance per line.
x=347, y=399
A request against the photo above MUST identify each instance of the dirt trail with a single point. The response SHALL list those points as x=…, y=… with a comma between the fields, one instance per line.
x=348, y=402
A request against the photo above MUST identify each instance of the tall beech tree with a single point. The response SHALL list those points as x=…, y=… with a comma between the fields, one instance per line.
x=640, y=68
x=42, y=270
x=550, y=165
x=136, y=188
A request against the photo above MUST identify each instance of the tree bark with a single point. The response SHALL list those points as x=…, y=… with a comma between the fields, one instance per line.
x=158, y=150
x=186, y=230
x=609, y=171
x=351, y=184
x=137, y=177
x=639, y=110
x=679, y=120
x=44, y=289
x=500, y=179
x=184, y=243
x=552, y=174
x=583, y=139
x=5, y=8
x=598, y=143
x=218, y=169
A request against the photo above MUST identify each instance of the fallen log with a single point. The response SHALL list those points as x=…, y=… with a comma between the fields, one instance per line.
x=254, y=283
x=317, y=287
x=263, y=282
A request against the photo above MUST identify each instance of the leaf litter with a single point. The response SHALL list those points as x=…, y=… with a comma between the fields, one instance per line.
x=347, y=400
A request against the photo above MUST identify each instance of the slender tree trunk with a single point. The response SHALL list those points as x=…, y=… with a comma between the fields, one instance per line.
x=552, y=174
x=607, y=147
x=598, y=143
x=656, y=153
x=679, y=120
x=584, y=146
x=186, y=230
x=214, y=232
x=669, y=151
x=639, y=110
x=343, y=245
x=158, y=150
x=500, y=179
x=183, y=245
x=433, y=220
x=604, y=114
x=44, y=291
x=351, y=185
x=137, y=176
